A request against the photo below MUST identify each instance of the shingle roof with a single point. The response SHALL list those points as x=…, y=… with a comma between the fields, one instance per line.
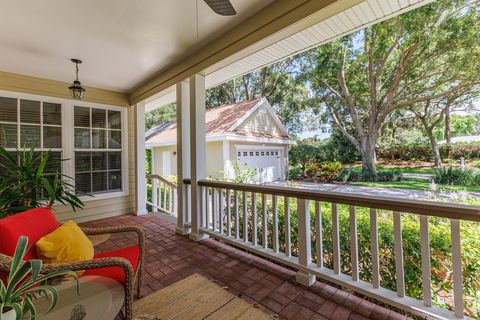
x=217, y=121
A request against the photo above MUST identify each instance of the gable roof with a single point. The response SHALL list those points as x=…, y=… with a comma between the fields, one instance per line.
x=218, y=121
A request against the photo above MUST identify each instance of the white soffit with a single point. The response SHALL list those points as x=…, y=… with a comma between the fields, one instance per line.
x=265, y=52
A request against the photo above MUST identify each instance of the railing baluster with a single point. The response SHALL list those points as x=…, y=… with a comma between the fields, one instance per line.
x=254, y=219
x=220, y=210
x=154, y=195
x=353, y=243
x=171, y=200
x=336, y=239
x=164, y=197
x=374, y=248
x=216, y=209
x=275, y=223
x=457, y=268
x=398, y=246
x=229, y=227
x=318, y=234
x=245, y=217
x=237, y=227
x=264, y=220
x=207, y=207
x=426, y=268
x=288, y=240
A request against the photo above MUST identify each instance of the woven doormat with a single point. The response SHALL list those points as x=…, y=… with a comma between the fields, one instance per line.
x=195, y=298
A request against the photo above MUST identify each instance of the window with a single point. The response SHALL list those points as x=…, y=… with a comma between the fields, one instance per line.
x=91, y=135
x=26, y=123
x=98, y=150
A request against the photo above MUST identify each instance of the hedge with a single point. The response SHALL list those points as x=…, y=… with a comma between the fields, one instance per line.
x=470, y=151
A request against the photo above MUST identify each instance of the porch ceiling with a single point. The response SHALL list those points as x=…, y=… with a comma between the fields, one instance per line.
x=311, y=32
x=121, y=42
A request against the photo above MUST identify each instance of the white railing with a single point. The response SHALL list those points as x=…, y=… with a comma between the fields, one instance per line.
x=163, y=195
x=247, y=216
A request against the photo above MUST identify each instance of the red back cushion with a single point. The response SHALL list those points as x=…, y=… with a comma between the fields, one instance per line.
x=34, y=224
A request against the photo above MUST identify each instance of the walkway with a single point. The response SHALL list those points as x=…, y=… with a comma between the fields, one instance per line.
x=170, y=257
x=372, y=191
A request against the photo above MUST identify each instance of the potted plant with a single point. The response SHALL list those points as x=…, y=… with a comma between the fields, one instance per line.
x=25, y=182
x=24, y=282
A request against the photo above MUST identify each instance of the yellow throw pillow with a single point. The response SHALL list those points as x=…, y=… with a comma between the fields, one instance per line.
x=68, y=243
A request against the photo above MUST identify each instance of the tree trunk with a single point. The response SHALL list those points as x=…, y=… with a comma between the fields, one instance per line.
x=367, y=151
x=435, y=148
x=448, y=131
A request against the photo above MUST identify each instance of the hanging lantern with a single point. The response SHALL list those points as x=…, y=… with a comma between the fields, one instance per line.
x=76, y=89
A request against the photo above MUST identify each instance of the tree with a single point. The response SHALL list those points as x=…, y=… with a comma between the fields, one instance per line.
x=422, y=55
x=160, y=115
x=277, y=83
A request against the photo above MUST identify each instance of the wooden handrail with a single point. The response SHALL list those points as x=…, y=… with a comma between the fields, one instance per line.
x=421, y=207
x=187, y=181
x=156, y=176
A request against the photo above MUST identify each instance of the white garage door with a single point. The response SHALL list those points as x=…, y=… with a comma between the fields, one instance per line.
x=267, y=163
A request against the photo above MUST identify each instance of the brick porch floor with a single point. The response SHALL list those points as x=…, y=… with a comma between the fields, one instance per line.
x=170, y=257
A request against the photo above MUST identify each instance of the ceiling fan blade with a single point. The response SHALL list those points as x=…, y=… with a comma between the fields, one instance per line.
x=221, y=7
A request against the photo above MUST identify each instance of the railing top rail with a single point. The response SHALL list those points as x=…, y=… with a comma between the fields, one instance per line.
x=187, y=181
x=156, y=176
x=421, y=207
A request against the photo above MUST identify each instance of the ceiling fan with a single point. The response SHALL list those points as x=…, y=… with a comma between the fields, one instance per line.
x=221, y=7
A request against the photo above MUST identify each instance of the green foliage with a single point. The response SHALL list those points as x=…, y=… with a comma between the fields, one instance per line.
x=25, y=281
x=295, y=172
x=25, y=183
x=408, y=152
x=243, y=174
x=351, y=174
x=324, y=171
x=305, y=152
x=461, y=125
x=456, y=176
x=160, y=115
x=338, y=148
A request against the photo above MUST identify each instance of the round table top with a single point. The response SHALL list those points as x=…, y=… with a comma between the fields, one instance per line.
x=99, y=298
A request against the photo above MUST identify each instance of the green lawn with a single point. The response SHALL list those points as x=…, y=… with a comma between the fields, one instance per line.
x=426, y=170
x=415, y=184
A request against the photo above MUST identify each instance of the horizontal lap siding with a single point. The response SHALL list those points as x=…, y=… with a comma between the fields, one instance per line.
x=260, y=122
x=98, y=209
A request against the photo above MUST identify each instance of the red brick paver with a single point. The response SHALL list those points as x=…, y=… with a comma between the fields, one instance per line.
x=170, y=257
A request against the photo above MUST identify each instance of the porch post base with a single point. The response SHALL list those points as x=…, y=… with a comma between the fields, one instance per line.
x=182, y=231
x=141, y=212
x=305, y=279
x=198, y=237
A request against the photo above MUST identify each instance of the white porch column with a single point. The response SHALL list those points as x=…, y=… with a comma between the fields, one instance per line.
x=140, y=172
x=183, y=154
x=197, y=151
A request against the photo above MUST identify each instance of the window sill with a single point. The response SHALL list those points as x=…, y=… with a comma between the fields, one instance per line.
x=103, y=196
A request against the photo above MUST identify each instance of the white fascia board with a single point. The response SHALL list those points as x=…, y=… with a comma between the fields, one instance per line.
x=226, y=137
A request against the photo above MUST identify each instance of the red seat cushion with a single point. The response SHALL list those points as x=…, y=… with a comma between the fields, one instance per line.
x=132, y=254
x=34, y=224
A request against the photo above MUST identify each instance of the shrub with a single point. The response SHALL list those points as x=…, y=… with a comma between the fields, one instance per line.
x=325, y=171
x=456, y=176
x=350, y=175
x=295, y=172
x=423, y=152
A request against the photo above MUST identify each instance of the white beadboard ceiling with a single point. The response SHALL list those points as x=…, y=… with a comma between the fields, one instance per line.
x=357, y=17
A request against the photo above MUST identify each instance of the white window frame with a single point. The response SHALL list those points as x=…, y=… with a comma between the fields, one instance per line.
x=68, y=139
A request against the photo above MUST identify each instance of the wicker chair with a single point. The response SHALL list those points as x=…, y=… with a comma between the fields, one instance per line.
x=107, y=264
